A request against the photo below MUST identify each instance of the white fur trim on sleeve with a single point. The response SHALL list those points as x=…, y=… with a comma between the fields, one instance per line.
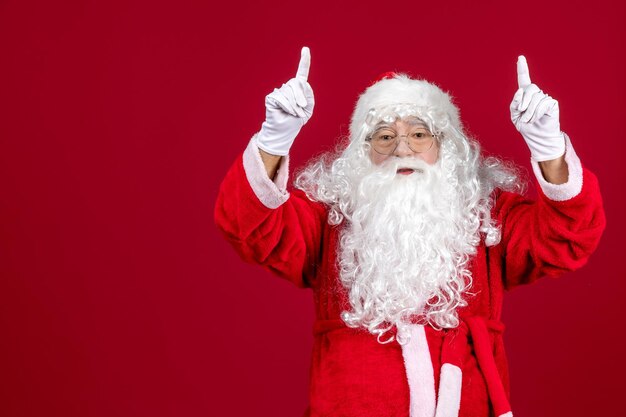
x=570, y=189
x=419, y=371
x=271, y=193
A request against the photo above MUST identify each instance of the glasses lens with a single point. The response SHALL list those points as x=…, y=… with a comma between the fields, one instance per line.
x=421, y=140
x=384, y=141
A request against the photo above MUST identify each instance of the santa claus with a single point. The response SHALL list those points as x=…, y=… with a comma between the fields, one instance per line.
x=408, y=237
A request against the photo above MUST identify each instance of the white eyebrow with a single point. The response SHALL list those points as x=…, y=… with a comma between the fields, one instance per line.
x=382, y=124
x=414, y=121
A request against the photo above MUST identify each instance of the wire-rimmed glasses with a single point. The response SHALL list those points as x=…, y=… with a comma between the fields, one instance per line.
x=385, y=140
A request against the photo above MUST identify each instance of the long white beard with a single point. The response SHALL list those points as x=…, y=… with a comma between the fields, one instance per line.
x=405, y=249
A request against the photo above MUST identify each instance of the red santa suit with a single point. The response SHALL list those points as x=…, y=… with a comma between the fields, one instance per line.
x=461, y=371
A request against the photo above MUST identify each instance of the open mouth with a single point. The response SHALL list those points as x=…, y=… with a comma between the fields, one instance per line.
x=407, y=171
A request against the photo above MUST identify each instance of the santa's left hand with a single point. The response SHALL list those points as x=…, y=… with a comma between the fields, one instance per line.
x=536, y=116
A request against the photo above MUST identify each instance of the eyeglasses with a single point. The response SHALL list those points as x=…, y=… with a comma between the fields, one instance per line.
x=386, y=140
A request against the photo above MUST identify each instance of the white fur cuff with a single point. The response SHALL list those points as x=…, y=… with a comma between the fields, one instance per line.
x=271, y=193
x=574, y=184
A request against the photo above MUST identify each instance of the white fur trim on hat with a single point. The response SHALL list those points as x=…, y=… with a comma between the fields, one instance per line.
x=403, y=90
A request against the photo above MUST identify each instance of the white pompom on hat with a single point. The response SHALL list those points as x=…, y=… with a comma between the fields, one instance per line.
x=424, y=100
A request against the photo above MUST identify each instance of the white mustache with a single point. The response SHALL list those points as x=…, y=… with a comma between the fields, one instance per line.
x=406, y=163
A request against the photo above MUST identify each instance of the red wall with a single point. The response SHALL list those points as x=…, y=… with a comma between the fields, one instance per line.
x=118, y=296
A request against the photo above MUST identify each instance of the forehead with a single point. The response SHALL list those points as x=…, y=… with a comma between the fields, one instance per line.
x=408, y=121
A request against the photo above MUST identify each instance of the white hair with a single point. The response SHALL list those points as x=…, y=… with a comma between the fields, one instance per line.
x=405, y=243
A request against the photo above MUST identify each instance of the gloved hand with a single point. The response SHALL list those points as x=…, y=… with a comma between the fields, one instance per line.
x=287, y=109
x=536, y=116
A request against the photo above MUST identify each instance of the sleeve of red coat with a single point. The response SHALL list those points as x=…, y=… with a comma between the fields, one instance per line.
x=556, y=233
x=267, y=225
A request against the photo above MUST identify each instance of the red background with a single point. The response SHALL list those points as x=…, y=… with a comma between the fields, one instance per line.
x=118, y=119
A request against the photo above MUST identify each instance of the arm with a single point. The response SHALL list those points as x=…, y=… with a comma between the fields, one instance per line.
x=270, y=162
x=556, y=233
x=264, y=223
x=562, y=228
x=267, y=225
x=555, y=171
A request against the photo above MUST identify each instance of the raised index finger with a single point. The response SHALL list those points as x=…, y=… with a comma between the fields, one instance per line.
x=305, y=63
x=523, y=75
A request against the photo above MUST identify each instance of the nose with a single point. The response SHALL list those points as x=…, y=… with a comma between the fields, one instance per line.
x=403, y=149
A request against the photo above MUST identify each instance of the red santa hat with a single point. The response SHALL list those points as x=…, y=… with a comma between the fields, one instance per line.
x=401, y=95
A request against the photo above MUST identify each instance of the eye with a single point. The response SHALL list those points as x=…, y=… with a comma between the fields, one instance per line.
x=420, y=135
x=385, y=135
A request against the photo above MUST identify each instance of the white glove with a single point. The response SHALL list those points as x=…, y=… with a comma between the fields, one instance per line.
x=536, y=116
x=287, y=109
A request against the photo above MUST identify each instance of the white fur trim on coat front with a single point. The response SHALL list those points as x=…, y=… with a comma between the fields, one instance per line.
x=419, y=371
x=271, y=193
x=449, y=401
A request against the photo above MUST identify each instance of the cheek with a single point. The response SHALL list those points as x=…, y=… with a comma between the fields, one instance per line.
x=431, y=156
x=377, y=158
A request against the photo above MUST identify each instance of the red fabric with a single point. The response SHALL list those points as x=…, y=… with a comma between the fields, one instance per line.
x=384, y=75
x=488, y=367
x=352, y=374
x=473, y=332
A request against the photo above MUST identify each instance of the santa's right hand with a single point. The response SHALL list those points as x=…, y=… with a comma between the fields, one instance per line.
x=287, y=109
